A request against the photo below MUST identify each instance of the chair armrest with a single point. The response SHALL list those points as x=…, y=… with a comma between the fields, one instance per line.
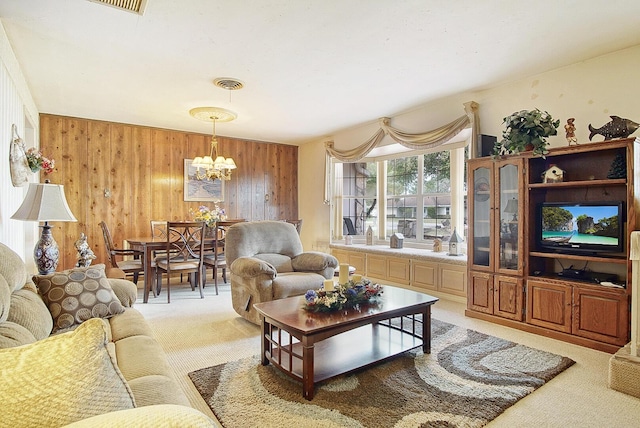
x=249, y=267
x=160, y=415
x=313, y=261
x=127, y=253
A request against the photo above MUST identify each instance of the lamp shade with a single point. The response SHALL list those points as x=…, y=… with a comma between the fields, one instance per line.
x=512, y=206
x=44, y=202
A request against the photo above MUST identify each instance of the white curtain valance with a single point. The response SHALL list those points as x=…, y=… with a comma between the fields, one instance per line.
x=424, y=140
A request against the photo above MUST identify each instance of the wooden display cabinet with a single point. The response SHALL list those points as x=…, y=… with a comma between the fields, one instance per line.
x=577, y=311
x=496, y=230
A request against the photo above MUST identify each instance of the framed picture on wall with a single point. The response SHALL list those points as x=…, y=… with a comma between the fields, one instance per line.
x=201, y=190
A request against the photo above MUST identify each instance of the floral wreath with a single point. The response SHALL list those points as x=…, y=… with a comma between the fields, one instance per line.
x=344, y=296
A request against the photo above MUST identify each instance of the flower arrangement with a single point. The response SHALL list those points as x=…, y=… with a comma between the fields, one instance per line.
x=38, y=162
x=209, y=216
x=344, y=296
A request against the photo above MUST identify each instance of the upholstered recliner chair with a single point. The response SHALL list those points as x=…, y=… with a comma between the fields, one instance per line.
x=266, y=262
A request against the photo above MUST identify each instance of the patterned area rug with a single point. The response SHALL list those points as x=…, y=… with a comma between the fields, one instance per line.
x=468, y=380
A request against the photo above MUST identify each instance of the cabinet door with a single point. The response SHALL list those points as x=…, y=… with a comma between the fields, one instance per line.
x=398, y=270
x=481, y=215
x=601, y=315
x=341, y=255
x=507, y=297
x=377, y=266
x=480, y=295
x=358, y=261
x=549, y=305
x=453, y=279
x=423, y=275
x=508, y=217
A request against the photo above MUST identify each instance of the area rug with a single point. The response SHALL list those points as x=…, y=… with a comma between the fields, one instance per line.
x=468, y=380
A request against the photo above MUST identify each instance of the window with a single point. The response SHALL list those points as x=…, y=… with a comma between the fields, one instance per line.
x=422, y=195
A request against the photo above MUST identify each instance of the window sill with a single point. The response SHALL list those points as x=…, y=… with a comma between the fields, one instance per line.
x=406, y=252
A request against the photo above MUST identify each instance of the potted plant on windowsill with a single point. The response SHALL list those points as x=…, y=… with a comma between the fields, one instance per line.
x=526, y=130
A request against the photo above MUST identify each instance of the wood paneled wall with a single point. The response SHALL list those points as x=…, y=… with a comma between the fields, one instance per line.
x=128, y=175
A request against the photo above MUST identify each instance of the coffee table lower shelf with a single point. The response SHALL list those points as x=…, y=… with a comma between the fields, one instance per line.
x=340, y=354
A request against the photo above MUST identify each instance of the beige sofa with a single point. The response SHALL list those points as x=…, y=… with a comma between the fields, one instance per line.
x=267, y=262
x=103, y=371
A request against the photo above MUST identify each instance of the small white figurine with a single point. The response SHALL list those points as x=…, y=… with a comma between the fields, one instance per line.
x=85, y=254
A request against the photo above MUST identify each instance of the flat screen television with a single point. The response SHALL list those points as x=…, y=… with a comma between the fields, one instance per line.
x=576, y=228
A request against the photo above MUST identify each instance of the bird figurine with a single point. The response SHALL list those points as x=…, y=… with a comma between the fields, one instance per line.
x=616, y=128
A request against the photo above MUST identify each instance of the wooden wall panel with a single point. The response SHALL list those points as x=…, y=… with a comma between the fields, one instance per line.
x=142, y=170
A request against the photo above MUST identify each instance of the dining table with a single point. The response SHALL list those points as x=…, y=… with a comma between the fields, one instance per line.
x=148, y=245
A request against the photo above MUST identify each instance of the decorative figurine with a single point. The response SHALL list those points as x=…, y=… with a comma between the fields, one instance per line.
x=437, y=245
x=85, y=254
x=396, y=240
x=617, y=128
x=454, y=242
x=553, y=175
x=570, y=130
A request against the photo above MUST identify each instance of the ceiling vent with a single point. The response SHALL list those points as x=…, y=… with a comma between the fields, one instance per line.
x=135, y=6
x=228, y=83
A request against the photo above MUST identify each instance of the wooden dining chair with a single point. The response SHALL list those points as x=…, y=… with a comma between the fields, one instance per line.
x=214, y=257
x=184, y=250
x=128, y=266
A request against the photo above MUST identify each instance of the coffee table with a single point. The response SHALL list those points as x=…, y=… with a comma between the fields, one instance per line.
x=312, y=347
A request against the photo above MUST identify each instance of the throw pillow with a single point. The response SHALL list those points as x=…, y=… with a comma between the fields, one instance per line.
x=62, y=379
x=76, y=295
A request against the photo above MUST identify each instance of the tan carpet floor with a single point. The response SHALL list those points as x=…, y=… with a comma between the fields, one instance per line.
x=197, y=333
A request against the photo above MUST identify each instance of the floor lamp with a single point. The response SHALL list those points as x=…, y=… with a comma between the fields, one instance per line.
x=45, y=202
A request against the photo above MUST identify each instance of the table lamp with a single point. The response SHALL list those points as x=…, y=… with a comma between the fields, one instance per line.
x=45, y=202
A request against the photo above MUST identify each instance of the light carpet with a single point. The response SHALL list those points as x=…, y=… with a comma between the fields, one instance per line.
x=468, y=380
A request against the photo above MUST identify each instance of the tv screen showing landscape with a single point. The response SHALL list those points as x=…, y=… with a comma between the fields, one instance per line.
x=580, y=226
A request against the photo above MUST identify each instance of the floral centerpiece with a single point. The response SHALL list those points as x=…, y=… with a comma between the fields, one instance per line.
x=344, y=296
x=38, y=162
x=209, y=216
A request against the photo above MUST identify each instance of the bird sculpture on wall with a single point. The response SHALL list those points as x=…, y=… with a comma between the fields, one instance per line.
x=616, y=128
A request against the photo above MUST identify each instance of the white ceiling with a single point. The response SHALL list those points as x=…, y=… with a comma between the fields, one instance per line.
x=310, y=67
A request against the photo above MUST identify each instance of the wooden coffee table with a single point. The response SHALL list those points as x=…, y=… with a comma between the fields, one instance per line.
x=312, y=347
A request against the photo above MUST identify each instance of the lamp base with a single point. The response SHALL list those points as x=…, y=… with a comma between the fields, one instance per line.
x=46, y=253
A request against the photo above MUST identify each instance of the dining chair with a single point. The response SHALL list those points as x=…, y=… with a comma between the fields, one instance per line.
x=184, y=250
x=128, y=266
x=297, y=224
x=216, y=260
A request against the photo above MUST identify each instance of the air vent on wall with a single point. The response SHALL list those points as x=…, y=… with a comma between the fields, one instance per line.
x=135, y=6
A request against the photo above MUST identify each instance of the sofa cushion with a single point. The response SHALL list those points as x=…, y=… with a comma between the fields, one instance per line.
x=280, y=262
x=295, y=284
x=62, y=379
x=76, y=295
x=159, y=416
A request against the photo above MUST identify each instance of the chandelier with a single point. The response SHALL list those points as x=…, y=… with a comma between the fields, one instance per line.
x=213, y=165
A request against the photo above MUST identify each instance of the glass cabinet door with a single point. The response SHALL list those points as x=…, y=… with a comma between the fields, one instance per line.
x=482, y=182
x=507, y=217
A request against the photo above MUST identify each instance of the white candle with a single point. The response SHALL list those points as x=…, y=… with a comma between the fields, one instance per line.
x=356, y=278
x=343, y=278
x=328, y=285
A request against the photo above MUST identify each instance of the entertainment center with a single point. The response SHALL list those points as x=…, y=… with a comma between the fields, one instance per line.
x=552, y=258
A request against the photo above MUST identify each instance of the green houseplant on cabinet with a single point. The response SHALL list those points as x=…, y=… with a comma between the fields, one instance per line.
x=526, y=130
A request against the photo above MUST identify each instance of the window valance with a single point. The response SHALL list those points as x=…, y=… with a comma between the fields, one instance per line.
x=424, y=140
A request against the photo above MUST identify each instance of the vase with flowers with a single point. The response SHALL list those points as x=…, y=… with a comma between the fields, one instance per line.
x=38, y=162
x=343, y=296
x=210, y=216
x=526, y=130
